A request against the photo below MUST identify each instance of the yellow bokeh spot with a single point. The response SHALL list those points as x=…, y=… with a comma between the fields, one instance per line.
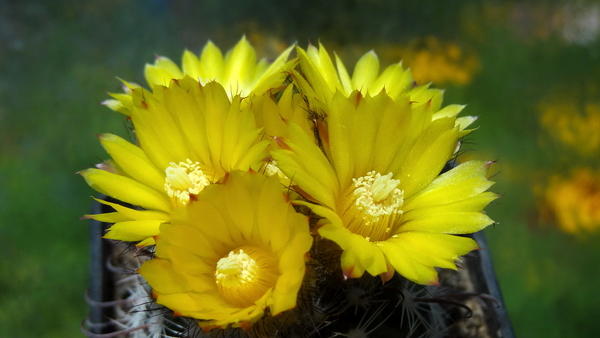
x=431, y=60
x=572, y=124
x=575, y=201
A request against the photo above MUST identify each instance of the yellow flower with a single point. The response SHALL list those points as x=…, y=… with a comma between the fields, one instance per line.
x=227, y=257
x=378, y=187
x=238, y=72
x=190, y=136
x=319, y=80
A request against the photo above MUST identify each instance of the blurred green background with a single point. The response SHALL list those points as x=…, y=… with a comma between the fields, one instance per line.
x=529, y=69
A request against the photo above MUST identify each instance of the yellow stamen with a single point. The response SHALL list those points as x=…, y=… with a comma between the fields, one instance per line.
x=245, y=274
x=372, y=205
x=184, y=179
x=377, y=195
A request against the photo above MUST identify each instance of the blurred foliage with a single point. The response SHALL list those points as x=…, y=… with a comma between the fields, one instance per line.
x=528, y=69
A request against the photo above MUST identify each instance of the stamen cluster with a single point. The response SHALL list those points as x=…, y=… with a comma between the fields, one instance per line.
x=185, y=179
x=377, y=196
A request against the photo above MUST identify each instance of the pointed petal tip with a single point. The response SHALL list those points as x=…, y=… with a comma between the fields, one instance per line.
x=386, y=276
x=281, y=143
x=246, y=325
x=209, y=327
x=347, y=273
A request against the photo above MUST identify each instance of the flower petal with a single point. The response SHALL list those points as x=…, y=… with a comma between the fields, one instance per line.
x=126, y=189
x=428, y=156
x=162, y=71
x=134, y=231
x=448, y=223
x=306, y=165
x=366, y=71
x=133, y=161
x=160, y=274
x=406, y=265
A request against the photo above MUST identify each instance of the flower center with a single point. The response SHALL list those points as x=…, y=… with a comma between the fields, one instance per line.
x=372, y=205
x=184, y=179
x=245, y=274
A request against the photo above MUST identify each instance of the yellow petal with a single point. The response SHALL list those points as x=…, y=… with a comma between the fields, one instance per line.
x=269, y=199
x=344, y=77
x=286, y=291
x=157, y=130
x=204, y=212
x=326, y=67
x=472, y=204
x=351, y=265
x=132, y=214
x=278, y=66
x=465, y=121
x=117, y=106
x=306, y=165
x=147, y=242
x=212, y=64
x=310, y=64
x=369, y=255
x=125, y=189
x=109, y=217
x=180, y=101
x=339, y=122
x=195, y=269
x=394, y=79
x=449, y=223
x=448, y=111
x=190, y=64
x=365, y=72
x=293, y=256
x=239, y=66
x=134, y=230
x=425, y=95
x=217, y=106
x=190, y=238
x=239, y=204
x=459, y=174
x=437, y=250
x=160, y=274
x=162, y=72
x=133, y=161
x=429, y=155
x=449, y=193
x=395, y=120
x=406, y=265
